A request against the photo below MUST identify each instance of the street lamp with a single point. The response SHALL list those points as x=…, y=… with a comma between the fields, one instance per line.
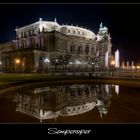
x=113, y=63
x=47, y=61
x=17, y=61
x=112, y=66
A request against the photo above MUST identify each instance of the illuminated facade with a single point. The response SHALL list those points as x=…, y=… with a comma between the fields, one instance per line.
x=64, y=100
x=46, y=46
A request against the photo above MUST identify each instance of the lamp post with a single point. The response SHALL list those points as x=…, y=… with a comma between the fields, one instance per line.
x=17, y=62
x=47, y=61
x=112, y=67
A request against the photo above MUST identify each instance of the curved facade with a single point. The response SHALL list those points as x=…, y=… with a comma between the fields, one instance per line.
x=63, y=100
x=46, y=46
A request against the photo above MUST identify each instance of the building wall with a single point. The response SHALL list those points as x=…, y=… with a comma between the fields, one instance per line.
x=33, y=48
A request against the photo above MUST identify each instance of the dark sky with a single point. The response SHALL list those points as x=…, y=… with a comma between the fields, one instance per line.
x=122, y=20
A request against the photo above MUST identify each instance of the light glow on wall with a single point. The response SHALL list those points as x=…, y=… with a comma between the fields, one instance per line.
x=47, y=60
x=78, y=62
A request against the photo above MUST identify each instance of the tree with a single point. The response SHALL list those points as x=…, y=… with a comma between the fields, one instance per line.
x=92, y=61
x=65, y=61
x=56, y=61
x=61, y=60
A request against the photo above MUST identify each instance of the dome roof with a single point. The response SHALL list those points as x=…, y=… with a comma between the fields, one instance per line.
x=78, y=31
x=49, y=26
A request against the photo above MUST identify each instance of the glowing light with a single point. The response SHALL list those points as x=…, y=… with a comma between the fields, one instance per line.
x=106, y=59
x=117, y=57
x=47, y=60
x=17, y=61
x=112, y=62
x=117, y=89
x=70, y=63
x=78, y=62
x=40, y=19
x=107, y=89
x=41, y=27
x=138, y=67
x=41, y=113
x=0, y=63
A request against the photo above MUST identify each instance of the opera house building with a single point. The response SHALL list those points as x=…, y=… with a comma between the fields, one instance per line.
x=46, y=46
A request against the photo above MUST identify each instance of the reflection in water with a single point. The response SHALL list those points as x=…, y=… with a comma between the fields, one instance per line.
x=117, y=89
x=64, y=100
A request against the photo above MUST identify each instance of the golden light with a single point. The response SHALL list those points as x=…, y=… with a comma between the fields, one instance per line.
x=133, y=67
x=138, y=67
x=112, y=62
x=17, y=61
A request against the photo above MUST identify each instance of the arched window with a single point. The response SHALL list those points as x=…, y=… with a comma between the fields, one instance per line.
x=92, y=50
x=79, y=49
x=72, y=48
x=87, y=49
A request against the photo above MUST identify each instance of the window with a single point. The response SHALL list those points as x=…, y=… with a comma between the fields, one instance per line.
x=92, y=50
x=72, y=93
x=72, y=48
x=27, y=34
x=79, y=92
x=87, y=49
x=31, y=32
x=79, y=48
x=79, y=32
x=74, y=32
x=87, y=92
x=22, y=34
x=68, y=31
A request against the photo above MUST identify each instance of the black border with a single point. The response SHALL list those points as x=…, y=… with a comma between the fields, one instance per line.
x=21, y=131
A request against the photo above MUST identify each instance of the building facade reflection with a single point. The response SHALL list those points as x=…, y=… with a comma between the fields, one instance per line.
x=63, y=100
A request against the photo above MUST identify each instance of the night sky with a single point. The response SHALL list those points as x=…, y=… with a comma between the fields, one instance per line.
x=122, y=20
